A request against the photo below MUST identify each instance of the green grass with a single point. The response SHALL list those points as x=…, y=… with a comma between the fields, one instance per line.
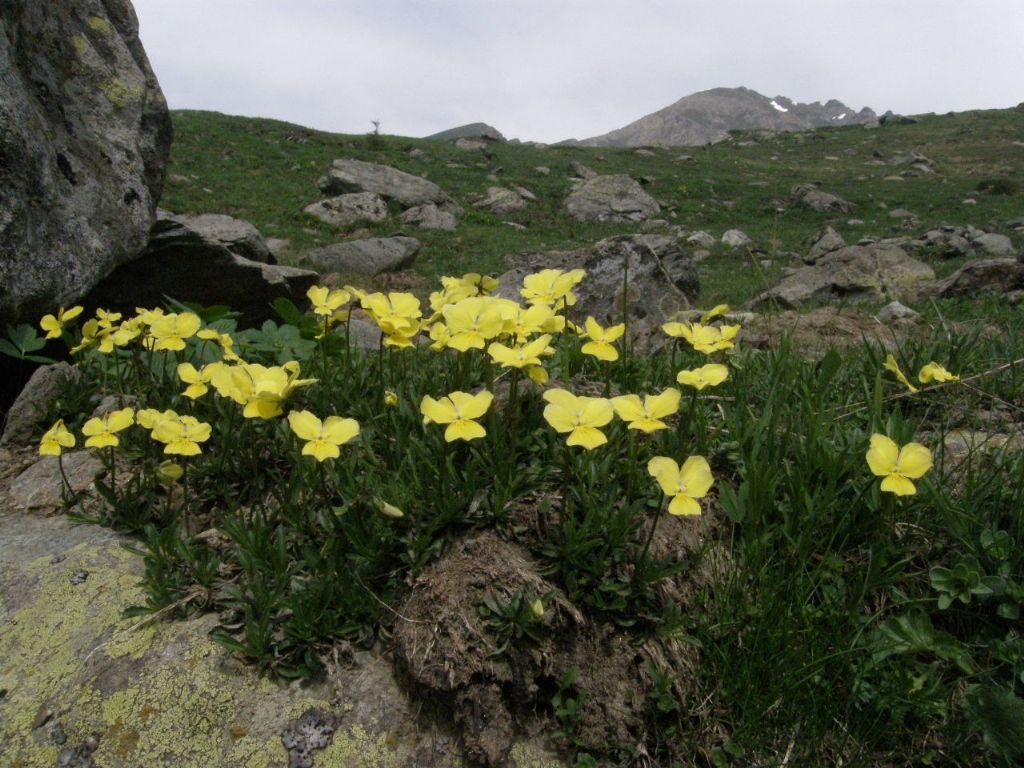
x=265, y=171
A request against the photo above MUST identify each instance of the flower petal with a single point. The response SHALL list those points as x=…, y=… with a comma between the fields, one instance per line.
x=682, y=504
x=899, y=485
x=914, y=460
x=882, y=455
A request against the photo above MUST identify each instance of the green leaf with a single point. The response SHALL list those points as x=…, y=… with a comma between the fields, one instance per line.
x=999, y=715
x=914, y=633
x=9, y=349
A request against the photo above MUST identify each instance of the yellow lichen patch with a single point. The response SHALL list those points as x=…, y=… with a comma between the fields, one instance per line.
x=120, y=94
x=99, y=25
x=355, y=748
x=81, y=46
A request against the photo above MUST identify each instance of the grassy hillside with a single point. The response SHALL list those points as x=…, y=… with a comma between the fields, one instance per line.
x=265, y=171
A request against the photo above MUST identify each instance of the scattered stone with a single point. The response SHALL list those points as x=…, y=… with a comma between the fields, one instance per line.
x=239, y=237
x=524, y=193
x=894, y=311
x=811, y=197
x=855, y=223
x=515, y=225
x=901, y=213
x=969, y=201
x=429, y=216
x=41, y=486
x=736, y=238
x=79, y=577
x=470, y=145
x=999, y=276
x=644, y=152
x=366, y=257
x=615, y=198
x=501, y=201
x=854, y=273
x=84, y=144
x=580, y=171
x=416, y=153
x=43, y=716
x=662, y=280
x=390, y=183
x=344, y=210
x=543, y=170
x=993, y=244
x=27, y=414
x=948, y=242
x=312, y=732
x=962, y=443
x=702, y=239
x=828, y=240
x=893, y=178
x=178, y=180
x=278, y=245
x=180, y=263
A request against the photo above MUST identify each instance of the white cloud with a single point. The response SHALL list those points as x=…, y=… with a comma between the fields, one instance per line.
x=553, y=70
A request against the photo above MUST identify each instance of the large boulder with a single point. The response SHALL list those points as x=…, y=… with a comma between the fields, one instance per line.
x=616, y=198
x=84, y=139
x=343, y=210
x=810, y=196
x=998, y=276
x=662, y=280
x=40, y=394
x=372, y=256
x=181, y=264
x=850, y=274
x=501, y=201
x=390, y=183
x=239, y=237
x=429, y=216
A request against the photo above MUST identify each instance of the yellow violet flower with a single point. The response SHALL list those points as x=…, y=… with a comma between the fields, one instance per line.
x=893, y=367
x=458, y=410
x=323, y=438
x=581, y=417
x=935, y=372
x=181, y=435
x=325, y=301
x=170, y=331
x=90, y=332
x=196, y=380
x=56, y=439
x=106, y=319
x=647, y=415
x=601, y=340
x=396, y=314
x=472, y=322
x=710, y=375
x=520, y=356
x=684, y=484
x=101, y=431
x=390, y=398
x=711, y=314
x=225, y=341
x=703, y=338
x=260, y=389
x=151, y=418
x=168, y=472
x=898, y=465
x=552, y=287
x=54, y=325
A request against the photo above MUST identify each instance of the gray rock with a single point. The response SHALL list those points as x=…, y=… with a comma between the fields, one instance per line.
x=543, y=170
x=344, y=210
x=662, y=280
x=947, y=242
x=469, y=131
x=179, y=263
x=736, y=238
x=524, y=193
x=901, y=213
x=278, y=245
x=811, y=197
x=25, y=419
x=993, y=244
x=894, y=311
x=615, y=198
x=41, y=486
x=580, y=171
x=828, y=240
x=239, y=237
x=366, y=257
x=390, y=183
x=854, y=273
x=470, y=145
x=702, y=239
x=429, y=216
x=1000, y=276
x=501, y=201
x=84, y=140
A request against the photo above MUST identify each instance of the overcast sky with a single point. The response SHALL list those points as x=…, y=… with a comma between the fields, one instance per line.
x=547, y=70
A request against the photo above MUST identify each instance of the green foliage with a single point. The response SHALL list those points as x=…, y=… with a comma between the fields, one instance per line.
x=515, y=620
x=22, y=342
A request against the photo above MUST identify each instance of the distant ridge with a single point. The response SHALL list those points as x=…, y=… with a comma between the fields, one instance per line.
x=708, y=116
x=470, y=131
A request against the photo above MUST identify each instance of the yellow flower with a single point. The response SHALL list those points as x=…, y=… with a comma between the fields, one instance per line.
x=390, y=398
x=196, y=380
x=325, y=301
x=519, y=356
x=540, y=318
x=259, y=388
x=323, y=438
x=388, y=510
x=710, y=375
x=90, y=332
x=538, y=374
x=684, y=484
x=711, y=314
x=181, y=434
x=56, y=439
x=898, y=465
x=935, y=372
x=647, y=415
x=600, y=344
x=54, y=326
x=225, y=341
x=552, y=287
x=581, y=417
x=101, y=431
x=396, y=314
x=170, y=331
x=537, y=608
x=168, y=472
x=703, y=338
x=473, y=321
x=458, y=410
x=151, y=418
x=106, y=319
x=893, y=367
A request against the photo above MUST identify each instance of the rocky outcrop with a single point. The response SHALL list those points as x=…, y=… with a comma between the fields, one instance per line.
x=365, y=257
x=239, y=237
x=182, y=264
x=344, y=210
x=469, y=131
x=854, y=273
x=390, y=183
x=998, y=276
x=429, y=216
x=27, y=414
x=84, y=139
x=810, y=196
x=501, y=201
x=662, y=280
x=616, y=198
x=827, y=240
